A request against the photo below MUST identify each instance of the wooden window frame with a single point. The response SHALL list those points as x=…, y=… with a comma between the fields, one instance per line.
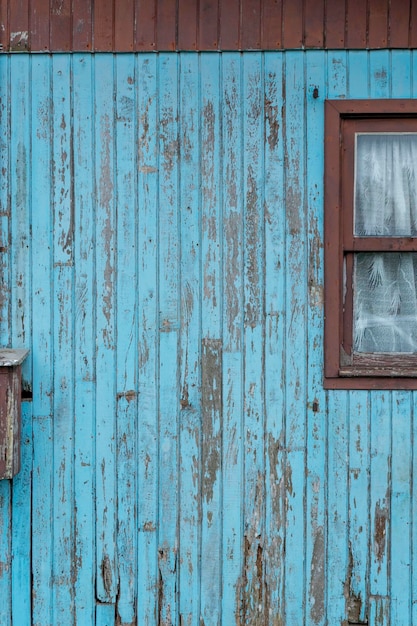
x=343, y=369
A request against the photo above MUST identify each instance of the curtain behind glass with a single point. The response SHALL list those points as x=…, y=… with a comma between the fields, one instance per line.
x=385, y=284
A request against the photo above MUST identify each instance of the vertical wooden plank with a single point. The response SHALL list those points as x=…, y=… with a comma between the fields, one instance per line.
x=21, y=526
x=413, y=26
x=63, y=399
x=84, y=338
x=336, y=75
x=338, y=561
x=166, y=25
x=400, y=539
x=42, y=225
x=250, y=35
x=356, y=586
x=209, y=25
x=82, y=23
x=105, y=615
x=7, y=167
x=42, y=343
x=5, y=208
x=39, y=25
x=400, y=73
x=5, y=553
x=103, y=26
x=193, y=418
x=292, y=23
x=356, y=24
x=380, y=501
x=359, y=435
x=314, y=23
x=316, y=504
x=126, y=377
x=106, y=573
x=4, y=25
x=211, y=296
x=211, y=329
x=17, y=574
x=379, y=610
x=168, y=565
x=211, y=195
x=168, y=282
x=271, y=25
x=358, y=77
x=124, y=25
x=42, y=507
x=253, y=488
x=399, y=24
x=275, y=263
x=145, y=24
x=20, y=202
x=413, y=507
x=5, y=327
x=211, y=574
x=230, y=25
x=61, y=26
x=413, y=424
x=232, y=307
x=19, y=28
x=148, y=333
x=188, y=17
x=296, y=357
x=20, y=320
x=335, y=24
x=378, y=24
x=379, y=74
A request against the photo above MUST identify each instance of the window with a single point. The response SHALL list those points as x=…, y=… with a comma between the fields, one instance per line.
x=371, y=244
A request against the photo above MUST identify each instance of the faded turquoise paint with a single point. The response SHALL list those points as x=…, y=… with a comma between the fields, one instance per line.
x=161, y=254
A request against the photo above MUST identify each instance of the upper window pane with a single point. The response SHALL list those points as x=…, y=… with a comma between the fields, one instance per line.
x=385, y=189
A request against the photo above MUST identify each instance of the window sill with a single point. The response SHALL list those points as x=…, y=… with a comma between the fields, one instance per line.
x=382, y=382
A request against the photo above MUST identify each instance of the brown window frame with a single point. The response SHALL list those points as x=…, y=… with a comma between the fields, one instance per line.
x=342, y=368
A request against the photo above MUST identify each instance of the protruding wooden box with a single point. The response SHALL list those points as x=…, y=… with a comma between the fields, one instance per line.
x=10, y=410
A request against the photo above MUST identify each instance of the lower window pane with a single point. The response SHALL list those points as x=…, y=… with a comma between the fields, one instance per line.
x=385, y=302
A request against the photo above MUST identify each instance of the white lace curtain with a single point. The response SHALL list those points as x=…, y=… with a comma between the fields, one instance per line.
x=385, y=284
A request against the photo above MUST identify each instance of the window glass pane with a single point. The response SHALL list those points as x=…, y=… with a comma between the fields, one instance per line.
x=386, y=184
x=385, y=302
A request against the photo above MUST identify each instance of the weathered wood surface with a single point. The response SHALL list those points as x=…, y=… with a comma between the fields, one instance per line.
x=161, y=255
x=168, y=25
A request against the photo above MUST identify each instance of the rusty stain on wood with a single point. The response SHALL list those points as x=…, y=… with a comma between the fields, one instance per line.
x=353, y=601
x=167, y=559
x=380, y=532
x=277, y=482
x=211, y=405
x=272, y=116
x=315, y=284
x=128, y=395
x=317, y=580
x=253, y=591
x=106, y=573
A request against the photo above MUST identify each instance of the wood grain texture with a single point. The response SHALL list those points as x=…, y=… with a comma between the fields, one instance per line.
x=181, y=461
x=204, y=25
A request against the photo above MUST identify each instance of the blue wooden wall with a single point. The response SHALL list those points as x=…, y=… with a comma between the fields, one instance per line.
x=161, y=255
